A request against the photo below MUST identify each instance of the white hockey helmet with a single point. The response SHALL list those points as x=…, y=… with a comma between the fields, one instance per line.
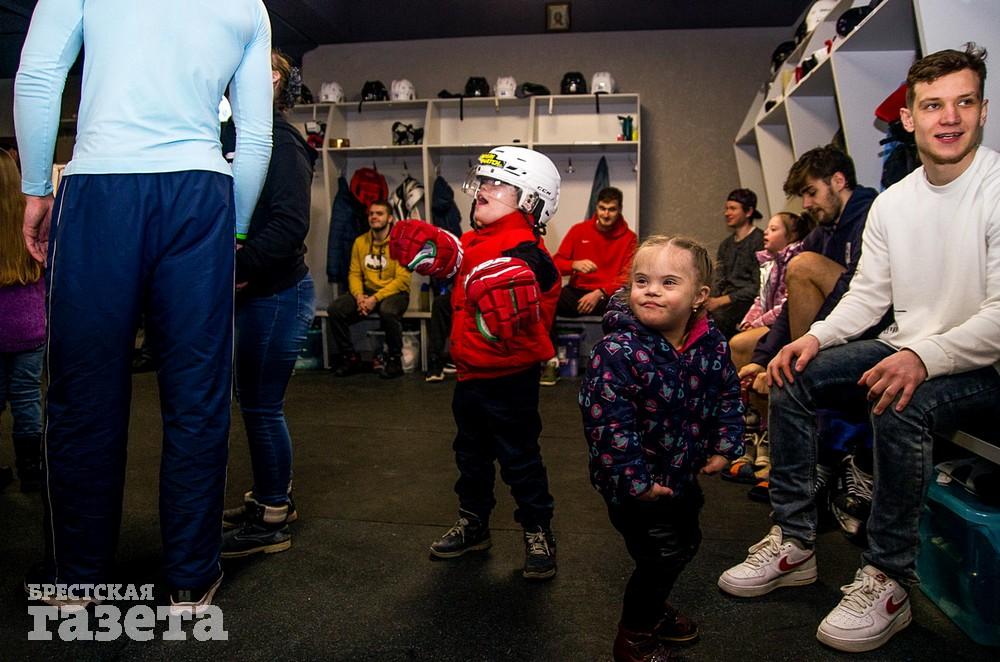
x=818, y=12
x=603, y=83
x=532, y=173
x=402, y=90
x=506, y=86
x=331, y=92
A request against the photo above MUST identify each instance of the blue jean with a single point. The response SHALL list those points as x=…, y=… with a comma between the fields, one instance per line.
x=270, y=330
x=21, y=386
x=903, y=444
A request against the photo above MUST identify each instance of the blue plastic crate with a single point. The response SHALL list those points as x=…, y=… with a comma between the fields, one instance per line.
x=959, y=561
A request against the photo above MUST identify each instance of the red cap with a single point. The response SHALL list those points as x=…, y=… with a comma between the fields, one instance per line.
x=888, y=110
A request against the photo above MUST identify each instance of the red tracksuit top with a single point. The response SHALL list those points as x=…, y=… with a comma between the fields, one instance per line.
x=475, y=356
x=612, y=251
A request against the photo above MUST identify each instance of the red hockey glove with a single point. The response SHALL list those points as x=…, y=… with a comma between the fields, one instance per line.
x=426, y=249
x=505, y=295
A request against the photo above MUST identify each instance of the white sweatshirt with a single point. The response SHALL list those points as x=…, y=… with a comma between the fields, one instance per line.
x=933, y=254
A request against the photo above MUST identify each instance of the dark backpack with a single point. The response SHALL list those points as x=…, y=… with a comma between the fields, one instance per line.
x=899, y=153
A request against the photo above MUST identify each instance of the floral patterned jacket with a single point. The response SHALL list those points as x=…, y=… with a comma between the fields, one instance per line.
x=652, y=413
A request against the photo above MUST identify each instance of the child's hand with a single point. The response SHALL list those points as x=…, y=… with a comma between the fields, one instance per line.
x=655, y=492
x=715, y=464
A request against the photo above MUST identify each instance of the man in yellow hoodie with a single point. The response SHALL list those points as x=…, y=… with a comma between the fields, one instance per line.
x=378, y=284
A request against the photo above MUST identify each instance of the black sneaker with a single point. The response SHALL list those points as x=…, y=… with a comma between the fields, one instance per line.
x=468, y=535
x=265, y=529
x=392, y=368
x=234, y=517
x=539, y=554
x=193, y=600
x=435, y=372
x=350, y=364
x=675, y=627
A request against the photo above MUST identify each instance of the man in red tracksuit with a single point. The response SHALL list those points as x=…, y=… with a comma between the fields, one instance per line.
x=596, y=255
x=504, y=301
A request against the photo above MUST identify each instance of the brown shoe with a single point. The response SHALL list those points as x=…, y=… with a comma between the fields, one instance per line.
x=632, y=646
x=676, y=628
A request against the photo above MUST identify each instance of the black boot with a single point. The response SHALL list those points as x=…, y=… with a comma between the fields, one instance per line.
x=393, y=368
x=469, y=534
x=636, y=646
x=6, y=477
x=233, y=518
x=28, y=458
x=350, y=364
x=265, y=529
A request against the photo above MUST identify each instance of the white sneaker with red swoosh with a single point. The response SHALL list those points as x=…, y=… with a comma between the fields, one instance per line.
x=771, y=563
x=874, y=608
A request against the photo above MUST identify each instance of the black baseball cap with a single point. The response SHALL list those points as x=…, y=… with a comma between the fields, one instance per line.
x=748, y=199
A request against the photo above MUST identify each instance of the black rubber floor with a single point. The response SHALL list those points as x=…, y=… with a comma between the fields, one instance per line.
x=373, y=486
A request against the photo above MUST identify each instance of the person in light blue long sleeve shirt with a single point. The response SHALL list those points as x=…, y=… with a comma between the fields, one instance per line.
x=143, y=224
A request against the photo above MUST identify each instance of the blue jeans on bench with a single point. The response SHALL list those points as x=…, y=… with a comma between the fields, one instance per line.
x=903, y=444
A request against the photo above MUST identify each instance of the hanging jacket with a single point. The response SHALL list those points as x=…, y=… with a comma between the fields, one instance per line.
x=444, y=211
x=347, y=221
x=655, y=413
x=601, y=181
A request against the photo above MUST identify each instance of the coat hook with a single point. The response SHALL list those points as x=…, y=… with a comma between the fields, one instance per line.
x=570, y=169
x=405, y=169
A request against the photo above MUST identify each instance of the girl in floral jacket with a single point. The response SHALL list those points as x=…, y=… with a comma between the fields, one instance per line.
x=661, y=404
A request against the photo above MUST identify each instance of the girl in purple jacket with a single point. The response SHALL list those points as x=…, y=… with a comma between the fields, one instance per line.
x=660, y=404
x=22, y=332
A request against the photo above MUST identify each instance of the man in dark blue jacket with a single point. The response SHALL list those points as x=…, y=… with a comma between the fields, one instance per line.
x=818, y=277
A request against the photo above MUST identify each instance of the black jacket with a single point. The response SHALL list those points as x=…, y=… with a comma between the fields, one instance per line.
x=271, y=259
x=840, y=243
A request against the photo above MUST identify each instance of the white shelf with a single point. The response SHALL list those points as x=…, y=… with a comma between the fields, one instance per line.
x=567, y=128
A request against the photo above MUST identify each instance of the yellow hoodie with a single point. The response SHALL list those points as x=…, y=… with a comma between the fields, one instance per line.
x=373, y=272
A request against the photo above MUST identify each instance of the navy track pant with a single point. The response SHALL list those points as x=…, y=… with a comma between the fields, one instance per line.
x=161, y=244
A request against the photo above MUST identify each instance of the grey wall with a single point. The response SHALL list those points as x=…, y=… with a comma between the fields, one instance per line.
x=695, y=87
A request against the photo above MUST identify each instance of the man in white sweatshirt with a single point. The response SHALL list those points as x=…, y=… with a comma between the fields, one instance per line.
x=931, y=252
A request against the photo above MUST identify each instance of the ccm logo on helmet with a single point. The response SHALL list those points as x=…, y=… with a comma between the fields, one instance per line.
x=490, y=160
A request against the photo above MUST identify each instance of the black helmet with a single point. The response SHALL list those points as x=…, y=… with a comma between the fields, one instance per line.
x=850, y=19
x=477, y=86
x=573, y=82
x=781, y=54
x=526, y=89
x=374, y=90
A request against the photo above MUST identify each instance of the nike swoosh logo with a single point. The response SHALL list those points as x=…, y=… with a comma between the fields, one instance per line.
x=892, y=607
x=785, y=566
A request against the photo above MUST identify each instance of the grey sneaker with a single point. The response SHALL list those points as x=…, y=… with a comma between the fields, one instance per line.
x=550, y=373
x=539, y=554
x=468, y=535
